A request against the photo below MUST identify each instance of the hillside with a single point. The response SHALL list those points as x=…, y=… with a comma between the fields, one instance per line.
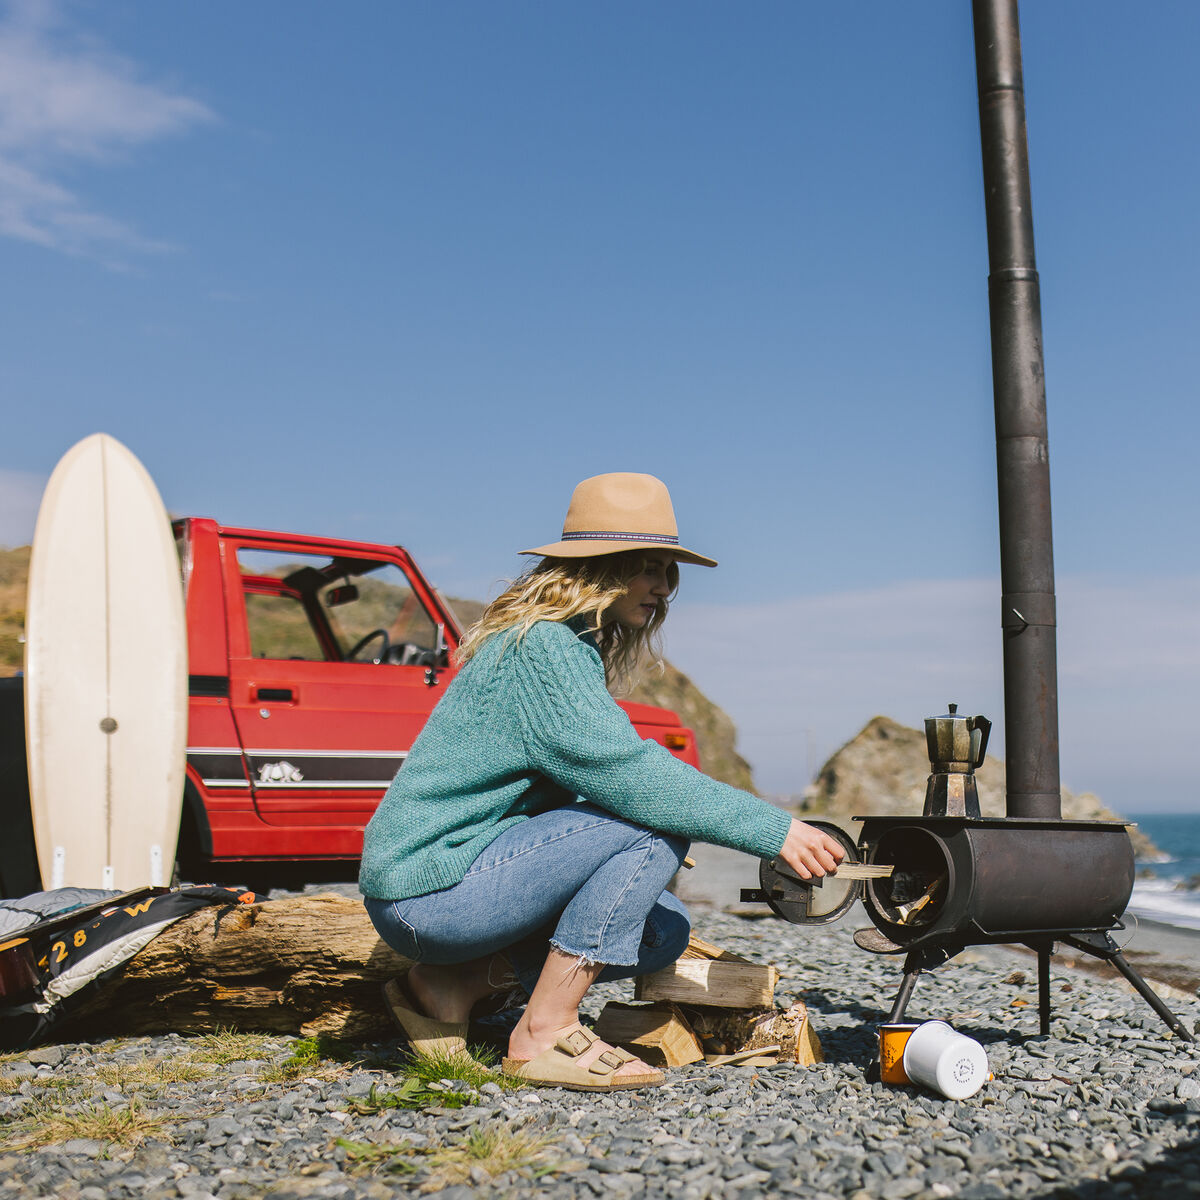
x=882, y=770
x=14, y=571
x=716, y=735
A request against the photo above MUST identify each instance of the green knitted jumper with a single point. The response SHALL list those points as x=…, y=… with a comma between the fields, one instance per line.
x=526, y=727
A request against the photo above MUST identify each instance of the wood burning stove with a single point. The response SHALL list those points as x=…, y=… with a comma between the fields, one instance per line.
x=994, y=880
x=957, y=878
x=941, y=883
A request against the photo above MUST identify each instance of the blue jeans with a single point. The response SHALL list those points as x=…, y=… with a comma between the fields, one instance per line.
x=576, y=878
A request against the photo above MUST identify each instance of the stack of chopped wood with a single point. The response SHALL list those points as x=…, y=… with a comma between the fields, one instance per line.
x=713, y=1005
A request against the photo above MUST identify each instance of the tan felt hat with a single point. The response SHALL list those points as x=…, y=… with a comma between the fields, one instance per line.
x=621, y=511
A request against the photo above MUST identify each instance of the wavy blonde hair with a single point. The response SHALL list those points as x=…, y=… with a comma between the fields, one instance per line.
x=556, y=589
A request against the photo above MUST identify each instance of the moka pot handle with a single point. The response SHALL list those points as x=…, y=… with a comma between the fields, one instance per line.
x=985, y=727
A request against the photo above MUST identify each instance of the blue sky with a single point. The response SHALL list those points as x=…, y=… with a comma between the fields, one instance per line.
x=407, y=272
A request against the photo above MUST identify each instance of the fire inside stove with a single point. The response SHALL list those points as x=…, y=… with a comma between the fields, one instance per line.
x=914, y=895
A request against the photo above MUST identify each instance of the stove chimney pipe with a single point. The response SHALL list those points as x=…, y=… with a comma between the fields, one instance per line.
x=1022, y=458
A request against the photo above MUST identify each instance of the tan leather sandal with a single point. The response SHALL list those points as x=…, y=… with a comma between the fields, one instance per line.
x=424, y=1034
x=559, y=1066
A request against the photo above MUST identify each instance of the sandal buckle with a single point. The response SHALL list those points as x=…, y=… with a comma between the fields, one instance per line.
x=575, y=1043
x=607, y=1063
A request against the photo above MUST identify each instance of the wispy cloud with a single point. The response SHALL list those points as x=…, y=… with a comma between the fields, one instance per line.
x=802, y=676
x=66, y=100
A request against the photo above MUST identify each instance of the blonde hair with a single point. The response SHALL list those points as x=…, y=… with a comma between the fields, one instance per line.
x=556, y=589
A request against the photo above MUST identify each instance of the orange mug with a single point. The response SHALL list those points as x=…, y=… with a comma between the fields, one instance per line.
x=892, y=1040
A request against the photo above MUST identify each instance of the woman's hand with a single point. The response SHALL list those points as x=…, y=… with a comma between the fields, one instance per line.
x=809, y=852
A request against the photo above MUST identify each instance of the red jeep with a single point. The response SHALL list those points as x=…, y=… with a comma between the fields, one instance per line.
x=313, y=665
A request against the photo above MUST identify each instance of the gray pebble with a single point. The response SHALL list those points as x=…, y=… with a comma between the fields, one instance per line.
x=86, y=1147
x=49, y=1056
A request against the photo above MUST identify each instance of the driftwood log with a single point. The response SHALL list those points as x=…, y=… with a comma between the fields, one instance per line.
x=309, y=965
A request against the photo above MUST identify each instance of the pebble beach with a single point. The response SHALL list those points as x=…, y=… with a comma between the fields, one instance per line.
x=1107, y=1105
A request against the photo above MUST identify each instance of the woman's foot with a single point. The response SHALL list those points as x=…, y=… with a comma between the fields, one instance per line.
x=579, y=1060
x=425, y=1034
x=526, y=1045
x=450, y=993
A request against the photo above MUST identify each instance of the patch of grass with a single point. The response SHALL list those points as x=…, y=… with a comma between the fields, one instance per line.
x=410, y=1094
x=476, y=1069
x=227, y=1045
x=313, y=1057
x=490, y=1149
x=308, y=1053
x=423, y=1079
x=154, y=1072
x=47, y=1125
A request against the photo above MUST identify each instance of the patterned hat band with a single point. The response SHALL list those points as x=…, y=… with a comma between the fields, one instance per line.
x=603, y=508
x=606, y=535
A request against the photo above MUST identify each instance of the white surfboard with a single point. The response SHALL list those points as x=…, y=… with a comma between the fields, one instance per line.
x=105, y=674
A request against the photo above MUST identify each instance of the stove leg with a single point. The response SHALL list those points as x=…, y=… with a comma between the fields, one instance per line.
x=912, y=972
x=915, y=962
x=1044, y=951
x=1101, y=945
x=1144, y=990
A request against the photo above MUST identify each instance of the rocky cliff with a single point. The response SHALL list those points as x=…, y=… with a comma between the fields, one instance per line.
x=715, y=732
x=883, y=770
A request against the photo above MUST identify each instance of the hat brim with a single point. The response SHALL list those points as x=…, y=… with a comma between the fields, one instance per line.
x=592, y=549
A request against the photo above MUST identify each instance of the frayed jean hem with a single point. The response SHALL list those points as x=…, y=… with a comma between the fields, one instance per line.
x=584, y=959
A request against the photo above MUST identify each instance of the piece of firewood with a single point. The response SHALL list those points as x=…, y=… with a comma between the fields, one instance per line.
x=908, y=911
x=657, y=1033
x=844, y=871
x=698, y=948
x=764, y=1056
x=305, y=965
x=728, y=1031
x=712, y=982
x=808, y=1045
x=863, y=871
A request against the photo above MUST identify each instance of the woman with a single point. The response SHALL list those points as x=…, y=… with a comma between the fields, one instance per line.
x=531, y=834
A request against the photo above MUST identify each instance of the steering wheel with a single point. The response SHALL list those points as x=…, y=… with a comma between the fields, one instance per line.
x=352, y=654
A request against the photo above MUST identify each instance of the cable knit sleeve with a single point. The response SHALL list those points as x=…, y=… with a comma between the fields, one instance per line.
x=575, y=733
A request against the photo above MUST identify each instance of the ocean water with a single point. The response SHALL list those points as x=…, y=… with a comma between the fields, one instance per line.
x=1169, y=890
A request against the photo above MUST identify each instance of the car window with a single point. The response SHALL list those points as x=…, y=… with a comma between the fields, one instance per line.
x=279, y=627
x=317, y=607
x=385, y=602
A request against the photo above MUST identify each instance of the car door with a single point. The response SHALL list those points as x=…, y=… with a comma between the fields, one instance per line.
x=335, y=664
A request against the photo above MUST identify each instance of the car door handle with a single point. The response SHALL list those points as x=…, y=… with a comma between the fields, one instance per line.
x=278, y=694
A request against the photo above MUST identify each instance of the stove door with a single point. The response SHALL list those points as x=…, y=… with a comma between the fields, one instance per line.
x=808, y=901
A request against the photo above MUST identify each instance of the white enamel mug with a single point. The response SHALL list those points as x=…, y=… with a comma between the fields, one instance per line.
x=946, y=1061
